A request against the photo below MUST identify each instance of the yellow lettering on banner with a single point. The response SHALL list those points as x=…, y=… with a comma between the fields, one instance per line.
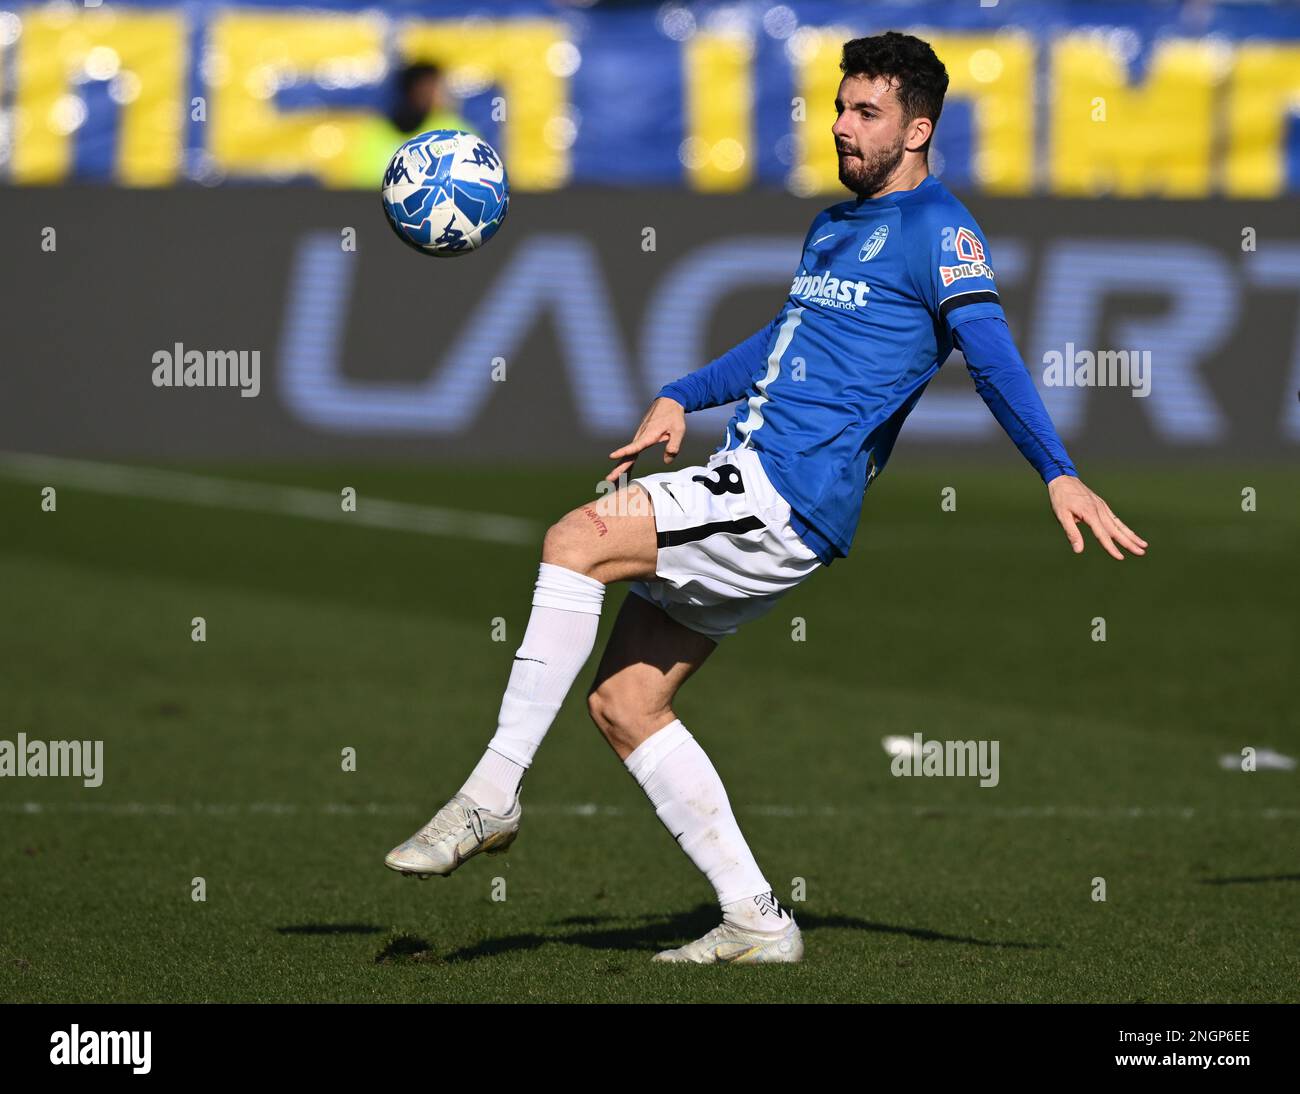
x=719, y=154
x=143, y=54
x=1153, y=139
x=1263, y=90
x=253, y=54
x=529, y=60
x=816, y=53
x=996, y=74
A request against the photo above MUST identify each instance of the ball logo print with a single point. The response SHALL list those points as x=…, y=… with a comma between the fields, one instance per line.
x=445, y=192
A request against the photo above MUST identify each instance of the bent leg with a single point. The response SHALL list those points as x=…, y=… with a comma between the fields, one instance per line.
x=648, y=658
x=610, y=539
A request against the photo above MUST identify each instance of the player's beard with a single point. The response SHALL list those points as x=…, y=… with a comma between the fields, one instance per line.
x=867, y=175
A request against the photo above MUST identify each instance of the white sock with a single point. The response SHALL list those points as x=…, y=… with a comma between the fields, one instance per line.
x=688, y=796
x=558, y=640
x=494, y=782
x=758, y=913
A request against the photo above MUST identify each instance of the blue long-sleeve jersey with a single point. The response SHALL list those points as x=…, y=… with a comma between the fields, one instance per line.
x=885, y=288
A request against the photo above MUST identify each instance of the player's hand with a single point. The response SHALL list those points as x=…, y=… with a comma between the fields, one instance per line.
x=1073, y=502
x=664, y=423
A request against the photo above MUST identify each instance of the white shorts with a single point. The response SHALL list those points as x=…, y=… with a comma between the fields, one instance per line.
x=727, y=552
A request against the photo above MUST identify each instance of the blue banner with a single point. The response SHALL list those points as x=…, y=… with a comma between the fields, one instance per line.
x=1046, y=98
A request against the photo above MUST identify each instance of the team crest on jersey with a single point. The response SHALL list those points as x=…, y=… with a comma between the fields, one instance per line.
x=971, y=252
x=873, y=244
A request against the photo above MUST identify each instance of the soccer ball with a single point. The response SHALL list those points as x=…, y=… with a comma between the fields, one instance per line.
x=445, y=192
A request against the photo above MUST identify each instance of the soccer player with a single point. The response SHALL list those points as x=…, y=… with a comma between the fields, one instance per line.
x=887, y=283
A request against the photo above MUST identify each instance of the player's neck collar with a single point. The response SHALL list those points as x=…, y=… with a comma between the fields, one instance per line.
x=897, y=195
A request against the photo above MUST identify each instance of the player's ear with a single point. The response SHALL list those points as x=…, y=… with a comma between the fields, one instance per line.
x=919, y=130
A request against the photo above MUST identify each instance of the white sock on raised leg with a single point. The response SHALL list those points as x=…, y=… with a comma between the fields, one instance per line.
x=559, y=638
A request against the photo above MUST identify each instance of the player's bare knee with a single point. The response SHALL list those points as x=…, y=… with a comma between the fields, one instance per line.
x=554, y=545
x=622, y=715
x=575, y=541
x=598, y=708
x=613, y=710
x=563, y=544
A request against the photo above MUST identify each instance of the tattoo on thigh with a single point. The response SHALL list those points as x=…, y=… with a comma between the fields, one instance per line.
x=601, y=527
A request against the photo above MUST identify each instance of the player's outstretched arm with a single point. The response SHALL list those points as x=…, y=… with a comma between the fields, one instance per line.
x=664, y=423
x=1072, y=502
x=1005, y=385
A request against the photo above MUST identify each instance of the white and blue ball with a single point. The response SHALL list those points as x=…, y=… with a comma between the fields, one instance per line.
x=446, y=192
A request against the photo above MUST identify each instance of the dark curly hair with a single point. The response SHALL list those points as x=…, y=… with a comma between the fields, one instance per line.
x=921, y=78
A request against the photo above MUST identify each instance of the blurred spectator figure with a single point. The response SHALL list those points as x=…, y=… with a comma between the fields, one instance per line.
x=420, y=101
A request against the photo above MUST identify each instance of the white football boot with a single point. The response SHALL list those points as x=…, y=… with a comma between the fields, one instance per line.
x=458, y=831
x=730, y=945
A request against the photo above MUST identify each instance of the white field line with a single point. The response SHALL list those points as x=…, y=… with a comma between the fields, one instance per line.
x=592, y=809
x=291, y=501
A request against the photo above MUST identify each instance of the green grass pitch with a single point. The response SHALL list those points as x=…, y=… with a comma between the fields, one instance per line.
x=223, y=758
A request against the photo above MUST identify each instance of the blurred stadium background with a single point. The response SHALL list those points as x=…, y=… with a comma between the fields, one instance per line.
x=1136, y=167
x=206, y=173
